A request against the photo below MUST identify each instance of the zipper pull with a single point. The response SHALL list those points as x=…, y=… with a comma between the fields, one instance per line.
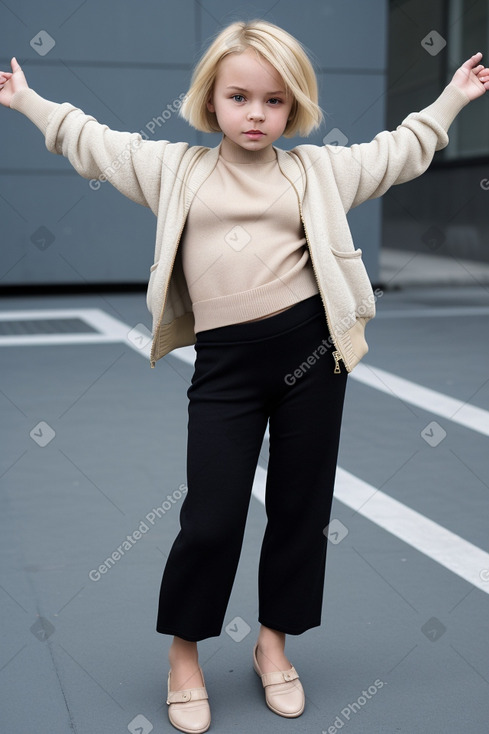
x=337, y=357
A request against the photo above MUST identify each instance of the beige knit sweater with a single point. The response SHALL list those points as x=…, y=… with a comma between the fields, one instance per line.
x=244, y=252
x=328, y=181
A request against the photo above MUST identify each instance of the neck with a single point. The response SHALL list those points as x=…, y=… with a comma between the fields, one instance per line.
x=234, y=153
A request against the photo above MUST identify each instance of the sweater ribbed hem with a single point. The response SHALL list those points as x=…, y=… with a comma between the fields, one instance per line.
x=296, y=285
x=447, y=106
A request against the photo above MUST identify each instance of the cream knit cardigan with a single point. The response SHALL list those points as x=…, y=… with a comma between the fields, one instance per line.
x=329, y=181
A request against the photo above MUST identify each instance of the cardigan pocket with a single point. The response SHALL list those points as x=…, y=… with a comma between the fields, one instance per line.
x=347, y=255
x=360, y=299
x=150, y=288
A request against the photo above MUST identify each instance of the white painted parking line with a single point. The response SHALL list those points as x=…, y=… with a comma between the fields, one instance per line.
x=458, y=411
x=441, y=545
x=46, y=313
x=446, y=548
x=108, y=329
x=45, y=340
x=427, y=313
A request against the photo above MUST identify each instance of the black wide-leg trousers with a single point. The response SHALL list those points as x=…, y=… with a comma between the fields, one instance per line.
x=278, y=370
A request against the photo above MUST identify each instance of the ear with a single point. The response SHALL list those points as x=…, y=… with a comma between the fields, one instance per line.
x=209, y=104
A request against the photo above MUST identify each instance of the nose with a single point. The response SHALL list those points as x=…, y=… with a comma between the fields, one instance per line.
x=256, y=112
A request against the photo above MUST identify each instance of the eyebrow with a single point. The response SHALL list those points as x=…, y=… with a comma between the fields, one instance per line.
x=240, y=89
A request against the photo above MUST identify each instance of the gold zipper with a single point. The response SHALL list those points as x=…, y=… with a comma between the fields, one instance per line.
x=337, y=357
x=336, y=354
x=151, y=358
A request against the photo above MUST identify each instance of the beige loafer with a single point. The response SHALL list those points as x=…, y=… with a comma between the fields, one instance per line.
x=283, y=690
x=188, y=710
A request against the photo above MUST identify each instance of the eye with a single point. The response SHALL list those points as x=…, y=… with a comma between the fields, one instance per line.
x=235, y=97
x=275, y=101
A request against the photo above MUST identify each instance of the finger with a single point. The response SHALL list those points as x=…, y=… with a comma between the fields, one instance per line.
x=14, y=64
x=470, y=63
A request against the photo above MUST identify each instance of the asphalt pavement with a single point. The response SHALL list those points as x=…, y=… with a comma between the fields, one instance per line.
x=92, y=475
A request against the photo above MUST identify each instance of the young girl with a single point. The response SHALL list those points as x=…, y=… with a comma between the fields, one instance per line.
x=254, y=263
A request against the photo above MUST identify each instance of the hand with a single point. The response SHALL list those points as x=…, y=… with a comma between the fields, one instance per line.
x=11, y=82
x=472, y=78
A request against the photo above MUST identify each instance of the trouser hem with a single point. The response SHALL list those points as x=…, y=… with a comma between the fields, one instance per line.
x=185, y=636
x=287, y=629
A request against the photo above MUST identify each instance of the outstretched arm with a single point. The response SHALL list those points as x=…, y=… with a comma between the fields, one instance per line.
x=133, y=165
x=367, y=170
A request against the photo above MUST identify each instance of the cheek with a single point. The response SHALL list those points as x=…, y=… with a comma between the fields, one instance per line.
x=282, y=117
x=231, y=112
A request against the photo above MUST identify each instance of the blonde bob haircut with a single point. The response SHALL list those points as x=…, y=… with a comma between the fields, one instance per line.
x=281, y=50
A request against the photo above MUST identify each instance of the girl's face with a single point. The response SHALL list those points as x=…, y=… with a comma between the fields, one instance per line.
x=249, y=100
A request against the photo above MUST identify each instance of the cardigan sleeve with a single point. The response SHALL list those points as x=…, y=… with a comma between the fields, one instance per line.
x=365, y=171
x=130, y=163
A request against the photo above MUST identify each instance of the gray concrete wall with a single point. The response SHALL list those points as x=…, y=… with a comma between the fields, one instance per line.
x=124, y=63
x=444, y=212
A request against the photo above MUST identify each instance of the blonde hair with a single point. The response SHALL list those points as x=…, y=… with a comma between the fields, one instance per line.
x=281, y=50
